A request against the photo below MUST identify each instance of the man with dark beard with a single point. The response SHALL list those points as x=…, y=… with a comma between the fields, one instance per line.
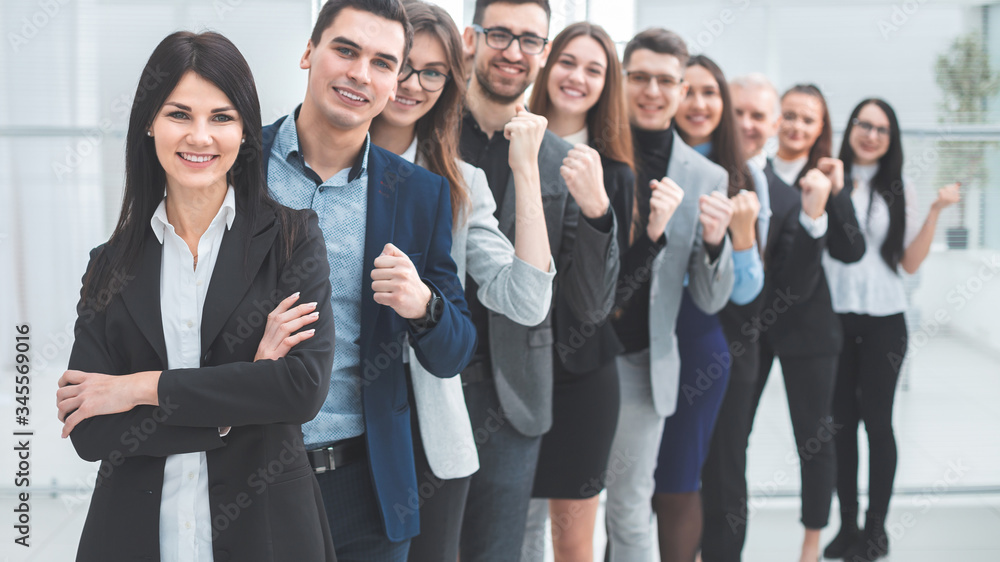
x=508, y=385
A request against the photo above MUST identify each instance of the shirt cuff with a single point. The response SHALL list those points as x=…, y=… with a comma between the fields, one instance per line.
x=602, y=223
x=815, y=227
x=224, y=431
x=744, y=259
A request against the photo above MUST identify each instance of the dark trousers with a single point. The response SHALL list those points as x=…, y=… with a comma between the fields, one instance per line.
x=724, y=482
x=497, y=508
x=809, y=386
x=355, y=518
x=442, y=507
x=873, y=352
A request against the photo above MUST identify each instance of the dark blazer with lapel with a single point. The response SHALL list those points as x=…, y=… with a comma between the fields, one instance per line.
x=265, y=503
x=587, y=265
x=583, y=344
x=411, y=208
x=797, y=315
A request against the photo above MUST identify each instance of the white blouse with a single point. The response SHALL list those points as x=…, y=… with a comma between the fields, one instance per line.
x=869, y=286
x=185, y=515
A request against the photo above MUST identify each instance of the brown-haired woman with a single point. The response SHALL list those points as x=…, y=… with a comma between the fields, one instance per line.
x=580, y=92
x=422, y=124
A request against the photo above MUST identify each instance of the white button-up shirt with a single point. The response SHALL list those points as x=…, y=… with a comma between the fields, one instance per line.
x=185, y=517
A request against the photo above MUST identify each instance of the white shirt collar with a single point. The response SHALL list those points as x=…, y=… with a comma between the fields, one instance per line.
x=159, y=222
x=579, y=137
x=410, y=154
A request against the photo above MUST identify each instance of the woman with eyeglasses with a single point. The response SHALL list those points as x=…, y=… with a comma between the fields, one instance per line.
x=797, y=323
x=422, y=125
x=869, y=297
x=580, y=92
x=705, y=121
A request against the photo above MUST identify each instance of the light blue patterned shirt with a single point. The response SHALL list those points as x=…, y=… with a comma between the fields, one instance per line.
x=342, y=205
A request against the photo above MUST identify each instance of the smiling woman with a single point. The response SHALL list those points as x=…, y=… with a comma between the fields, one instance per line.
x=163, y=347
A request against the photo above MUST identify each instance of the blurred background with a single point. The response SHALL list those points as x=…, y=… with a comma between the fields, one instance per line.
x=68, y=71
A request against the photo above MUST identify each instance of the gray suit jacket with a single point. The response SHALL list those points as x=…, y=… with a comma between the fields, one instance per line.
x=507, y=285
x=588, y=264
x=710, y=284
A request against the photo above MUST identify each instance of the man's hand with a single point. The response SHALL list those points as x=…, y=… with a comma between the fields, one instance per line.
x=397, y=284
x=833, y=169
x=715, y=213
x=282, y=323
x=525, y=132
x=816, y=187
x=742, y=229
x=666, y=197
x=584, y=176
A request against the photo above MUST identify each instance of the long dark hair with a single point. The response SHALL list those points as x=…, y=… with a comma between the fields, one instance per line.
x=607, y=121
x=437, y=130
x=887, y=182
x=823, y=147
x=214, y=58
x=726, y=148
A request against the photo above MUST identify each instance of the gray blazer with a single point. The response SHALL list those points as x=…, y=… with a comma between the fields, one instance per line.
x=588, y=266
x=507, y=285
x=710, y=284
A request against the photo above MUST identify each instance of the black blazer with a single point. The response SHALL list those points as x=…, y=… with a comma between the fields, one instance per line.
x=585, y=344
x=796, y=313
x=265, y=502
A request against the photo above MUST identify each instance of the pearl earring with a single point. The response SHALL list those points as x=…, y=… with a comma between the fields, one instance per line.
x=243, y=140
x=149, y=133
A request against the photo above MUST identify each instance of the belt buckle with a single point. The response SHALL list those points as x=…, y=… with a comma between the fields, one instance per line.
x=329, y=456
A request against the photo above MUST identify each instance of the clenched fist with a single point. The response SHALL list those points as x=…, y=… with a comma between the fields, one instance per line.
x=666, y=197
x=816, y=187
x=584, y=177
x=525, y=132
x=716, y=210
x=742, y=229
x=947, y=196
x=397, y=284
x=833, y=169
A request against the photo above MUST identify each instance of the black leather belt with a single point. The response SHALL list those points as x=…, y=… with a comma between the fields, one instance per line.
x=477, y=372
x=338, y=455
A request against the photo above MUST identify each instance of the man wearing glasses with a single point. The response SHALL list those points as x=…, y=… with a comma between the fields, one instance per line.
x=508, y=384
x=694, y=256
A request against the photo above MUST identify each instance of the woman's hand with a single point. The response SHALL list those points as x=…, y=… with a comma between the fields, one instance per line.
x=947, y=196
x=746, y=208
x=716, y=210
x=282, y=323
x=584, y=176
x=666, y=196
x=833, y=169
x=85, y=395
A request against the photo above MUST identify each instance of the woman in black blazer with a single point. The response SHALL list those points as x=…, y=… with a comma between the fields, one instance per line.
x=148, y=389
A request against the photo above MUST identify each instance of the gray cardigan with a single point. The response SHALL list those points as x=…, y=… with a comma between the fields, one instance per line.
x=507, y=286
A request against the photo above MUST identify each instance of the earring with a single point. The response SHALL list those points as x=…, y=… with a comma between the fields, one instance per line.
x=149, y=133
x=243, y=140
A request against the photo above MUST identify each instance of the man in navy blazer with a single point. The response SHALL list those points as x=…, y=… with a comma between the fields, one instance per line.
x=387, y=225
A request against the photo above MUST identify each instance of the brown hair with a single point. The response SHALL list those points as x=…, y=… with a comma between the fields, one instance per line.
x=481, y=5
x=437, y=131
x=607, y=121
x=391, y=10
x=823, y=147
x=658, y=40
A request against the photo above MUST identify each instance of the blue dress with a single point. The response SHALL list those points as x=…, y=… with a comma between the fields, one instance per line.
x=704, y=376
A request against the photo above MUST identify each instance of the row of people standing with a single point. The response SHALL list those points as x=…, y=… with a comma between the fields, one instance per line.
x=411, y=461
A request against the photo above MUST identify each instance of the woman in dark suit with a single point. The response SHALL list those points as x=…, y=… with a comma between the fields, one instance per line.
x=200, y=445
x=580, y=92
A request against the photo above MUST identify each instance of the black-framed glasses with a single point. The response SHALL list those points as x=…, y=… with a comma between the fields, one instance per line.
x=499, y=38
x=429, y=79
x=642, y=79
x=867, y=127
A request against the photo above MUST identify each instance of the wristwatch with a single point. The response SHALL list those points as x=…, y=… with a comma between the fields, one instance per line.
x=435, y=308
